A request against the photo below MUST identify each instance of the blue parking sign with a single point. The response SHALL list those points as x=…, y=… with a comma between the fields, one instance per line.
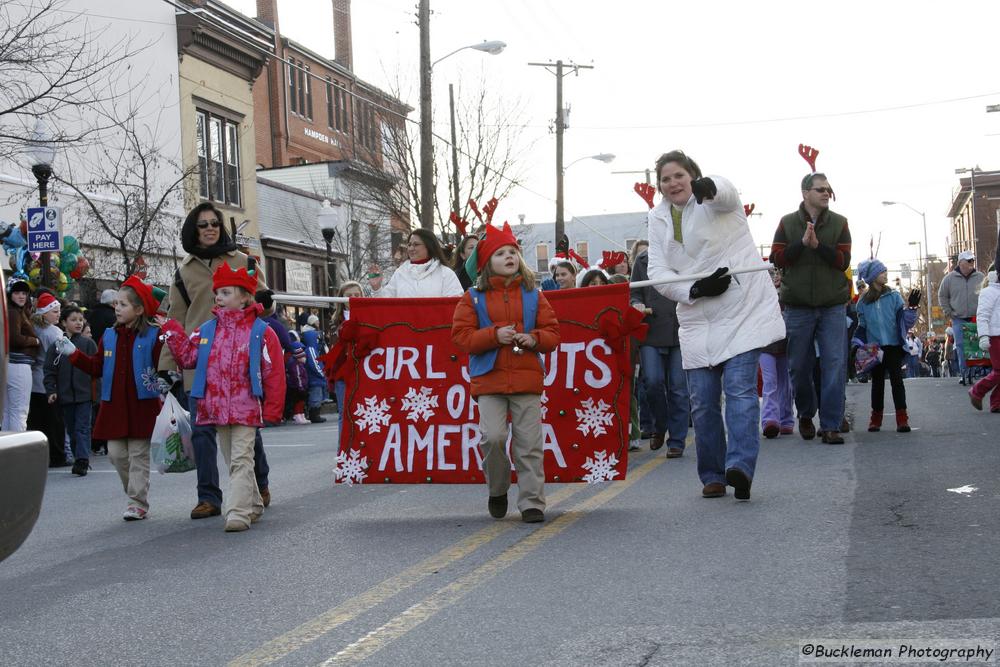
x=45, y=229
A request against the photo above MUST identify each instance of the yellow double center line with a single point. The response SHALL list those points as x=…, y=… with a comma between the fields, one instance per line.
x=308, y=632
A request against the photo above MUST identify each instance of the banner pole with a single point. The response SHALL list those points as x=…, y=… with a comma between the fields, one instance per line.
x=284, y=298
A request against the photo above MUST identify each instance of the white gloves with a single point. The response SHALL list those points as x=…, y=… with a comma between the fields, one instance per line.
x=984, y=343
x=64, y=346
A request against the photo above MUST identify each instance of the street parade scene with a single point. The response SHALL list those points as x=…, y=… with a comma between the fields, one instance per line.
x=312, y=358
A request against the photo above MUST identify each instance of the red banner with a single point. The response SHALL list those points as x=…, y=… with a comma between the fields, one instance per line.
x=410, y=418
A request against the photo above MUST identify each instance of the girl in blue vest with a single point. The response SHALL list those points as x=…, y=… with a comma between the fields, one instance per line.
x=126, y=360
x=239, y=382
x=504, y=323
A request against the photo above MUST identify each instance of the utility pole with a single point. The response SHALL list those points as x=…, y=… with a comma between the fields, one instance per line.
x=454, y=159
x=647, y=172
x=426, y=119
x=561, y=70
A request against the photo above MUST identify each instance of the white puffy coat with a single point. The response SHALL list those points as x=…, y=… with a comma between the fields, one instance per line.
x=746, y=316
x=987, y=313
x=426, y=280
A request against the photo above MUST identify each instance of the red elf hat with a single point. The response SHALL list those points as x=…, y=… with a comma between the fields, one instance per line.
x=224, y=276
x=493, y=241
x=150, y=304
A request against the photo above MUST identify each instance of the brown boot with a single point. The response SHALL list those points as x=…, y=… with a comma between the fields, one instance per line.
x=657, y=440
x=875, y=423
x=902, y=422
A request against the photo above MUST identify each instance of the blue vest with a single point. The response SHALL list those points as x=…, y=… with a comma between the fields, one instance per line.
x=142, y=363
x=207, y=336
x=481, y=364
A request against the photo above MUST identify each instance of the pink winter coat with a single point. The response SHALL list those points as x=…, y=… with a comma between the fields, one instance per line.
x=228, y=396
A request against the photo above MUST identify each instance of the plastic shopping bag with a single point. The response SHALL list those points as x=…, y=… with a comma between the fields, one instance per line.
x=867, y=357
x=970, y=345
x=172, y=450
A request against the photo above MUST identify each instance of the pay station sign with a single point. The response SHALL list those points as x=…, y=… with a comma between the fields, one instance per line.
x=45, y=232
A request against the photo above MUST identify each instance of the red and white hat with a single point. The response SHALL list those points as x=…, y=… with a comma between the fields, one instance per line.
x=224, y=276
x=45, y=303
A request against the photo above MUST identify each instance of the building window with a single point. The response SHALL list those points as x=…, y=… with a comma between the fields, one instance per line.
x=307, y=109
x=276, y=273
x=341, y=110
x=628, y=245
x=218, y=148
x=329, y=103
x=583, y=250
x=542, y=258
x=293, y=94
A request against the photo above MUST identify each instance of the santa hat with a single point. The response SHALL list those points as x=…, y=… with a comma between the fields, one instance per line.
x=493, y=241
x=224, y=276
x=45, y=303
x=150, y=304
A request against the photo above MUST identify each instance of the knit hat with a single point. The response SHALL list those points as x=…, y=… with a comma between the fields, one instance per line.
x=493, y=241
x=108, y=297
x=45, y=303
x=224, y=276
x=313, y=321
x=150, y=304
x=18, y=283
x=870, y=269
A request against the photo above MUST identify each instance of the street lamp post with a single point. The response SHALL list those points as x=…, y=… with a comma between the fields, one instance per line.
x=426, y=116
x=327, y=220
x=42, y=153
x=606, y=158
x=927, y=278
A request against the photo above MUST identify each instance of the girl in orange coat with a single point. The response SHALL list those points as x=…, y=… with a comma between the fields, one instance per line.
x=505, y=323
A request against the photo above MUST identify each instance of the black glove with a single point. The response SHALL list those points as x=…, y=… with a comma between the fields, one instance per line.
x=914, y=299
x=703, y=188
x=714, y=285
x=264, y=297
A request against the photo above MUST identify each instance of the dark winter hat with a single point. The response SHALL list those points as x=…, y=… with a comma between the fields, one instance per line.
x=807, y=180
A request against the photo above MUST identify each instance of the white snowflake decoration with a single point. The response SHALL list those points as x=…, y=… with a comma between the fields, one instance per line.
x=545, y=399
x=351, y=469
x=594, y=417
x=373, y=414
x=601, y=467
x=420, y=403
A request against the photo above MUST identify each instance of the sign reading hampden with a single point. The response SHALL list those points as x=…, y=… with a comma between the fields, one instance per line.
x=411, y=419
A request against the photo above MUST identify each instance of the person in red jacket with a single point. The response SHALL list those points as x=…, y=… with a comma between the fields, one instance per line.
x=504, y=323
x=239, y=382
x=126, y=359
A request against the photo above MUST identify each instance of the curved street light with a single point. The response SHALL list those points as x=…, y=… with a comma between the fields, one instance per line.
x=927, y=278
x=606, y=158
x=493, y=47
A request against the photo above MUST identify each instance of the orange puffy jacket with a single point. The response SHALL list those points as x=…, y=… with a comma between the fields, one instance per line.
x=513, y=373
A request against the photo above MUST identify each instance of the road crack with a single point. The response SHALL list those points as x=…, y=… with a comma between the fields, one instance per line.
x=897, y=514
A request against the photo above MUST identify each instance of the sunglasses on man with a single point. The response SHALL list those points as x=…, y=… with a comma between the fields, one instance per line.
x=206, y=225
x=828, y=191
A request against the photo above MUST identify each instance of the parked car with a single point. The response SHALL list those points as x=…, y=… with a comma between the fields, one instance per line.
x=24, y=462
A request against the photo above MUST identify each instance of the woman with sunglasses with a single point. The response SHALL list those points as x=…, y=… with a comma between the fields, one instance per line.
x=192, y=298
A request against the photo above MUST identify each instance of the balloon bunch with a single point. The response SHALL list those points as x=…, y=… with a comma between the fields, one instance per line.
x=67, y=266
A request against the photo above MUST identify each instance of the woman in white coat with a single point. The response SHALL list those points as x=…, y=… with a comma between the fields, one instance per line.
x=700, y=227
x=423, y=274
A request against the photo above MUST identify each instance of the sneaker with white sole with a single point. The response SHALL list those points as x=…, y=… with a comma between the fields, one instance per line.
x=134, y=513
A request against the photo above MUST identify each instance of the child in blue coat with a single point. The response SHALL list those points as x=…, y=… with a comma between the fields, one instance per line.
x=883, y=319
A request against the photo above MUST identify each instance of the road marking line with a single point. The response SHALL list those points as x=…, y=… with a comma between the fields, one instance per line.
x=273, y=446
x=375, y=640
x=310, y=631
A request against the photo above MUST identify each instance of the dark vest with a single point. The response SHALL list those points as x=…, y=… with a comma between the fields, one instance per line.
x=811, y=282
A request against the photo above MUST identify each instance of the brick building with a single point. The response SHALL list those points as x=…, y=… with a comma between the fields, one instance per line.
x=311, y=109
x=981, y=237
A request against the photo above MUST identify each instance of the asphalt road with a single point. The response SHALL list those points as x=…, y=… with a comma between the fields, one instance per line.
x=850, y=543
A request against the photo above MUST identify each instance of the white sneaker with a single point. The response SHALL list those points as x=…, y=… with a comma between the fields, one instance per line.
x=300, y=419
x=134, y=513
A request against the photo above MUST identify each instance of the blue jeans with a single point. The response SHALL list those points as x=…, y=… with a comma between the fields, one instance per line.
x=206, y=458
x=738, y=378
x=316, y=396
x=76, y=417
x=956, y=327
x=827, y=328
x=339, y=389
x=666, y=392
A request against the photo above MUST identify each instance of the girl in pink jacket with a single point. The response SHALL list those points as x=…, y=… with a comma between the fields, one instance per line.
x=239, y=382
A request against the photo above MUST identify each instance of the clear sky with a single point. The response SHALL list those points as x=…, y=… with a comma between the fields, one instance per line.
x=736, y=85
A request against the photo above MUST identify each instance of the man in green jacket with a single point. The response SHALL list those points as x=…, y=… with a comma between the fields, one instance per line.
x=812, y=247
